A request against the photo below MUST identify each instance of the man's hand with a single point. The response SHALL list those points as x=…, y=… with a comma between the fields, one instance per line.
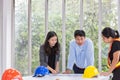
x=67, y=71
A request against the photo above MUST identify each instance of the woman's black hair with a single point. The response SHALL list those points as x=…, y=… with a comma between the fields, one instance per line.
x=109, y=32
x=79, y=33
x=47, y=47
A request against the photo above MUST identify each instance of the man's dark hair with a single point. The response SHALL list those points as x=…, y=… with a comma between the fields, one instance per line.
x=80, y=33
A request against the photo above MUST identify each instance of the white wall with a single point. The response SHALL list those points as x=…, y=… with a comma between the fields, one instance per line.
x=1, y=35
x=5, y=35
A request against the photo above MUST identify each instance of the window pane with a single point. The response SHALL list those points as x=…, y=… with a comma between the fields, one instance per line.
x=38, y=30
x=21, y=36
x=55, y=15
x=72, y=18
x=109, y=13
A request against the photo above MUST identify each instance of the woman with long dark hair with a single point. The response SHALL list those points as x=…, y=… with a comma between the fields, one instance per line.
x=112, y=37
x=50, y=52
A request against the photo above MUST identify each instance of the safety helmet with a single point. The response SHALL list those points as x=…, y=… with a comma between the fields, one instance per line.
x=90, y=71
x=41, y=71
x=11, y=74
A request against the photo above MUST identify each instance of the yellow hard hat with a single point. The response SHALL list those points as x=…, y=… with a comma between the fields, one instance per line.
x=90, y=71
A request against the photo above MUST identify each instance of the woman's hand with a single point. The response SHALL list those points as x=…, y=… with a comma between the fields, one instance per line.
x=54, y=71
x=105, y=73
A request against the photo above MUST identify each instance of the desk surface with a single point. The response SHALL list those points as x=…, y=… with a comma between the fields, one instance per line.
x=64, y=77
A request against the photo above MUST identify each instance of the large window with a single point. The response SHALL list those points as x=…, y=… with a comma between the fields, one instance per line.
x=49, y=13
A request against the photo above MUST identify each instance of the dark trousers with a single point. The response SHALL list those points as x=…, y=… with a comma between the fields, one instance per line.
x=116, y=74
x=78, y=70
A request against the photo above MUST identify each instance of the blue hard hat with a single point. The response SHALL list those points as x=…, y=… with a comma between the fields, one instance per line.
x=41, y=71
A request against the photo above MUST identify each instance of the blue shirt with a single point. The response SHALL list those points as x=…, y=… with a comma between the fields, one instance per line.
x=81, y=55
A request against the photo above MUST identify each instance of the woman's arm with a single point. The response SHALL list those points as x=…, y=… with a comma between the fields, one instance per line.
x=57, y=67
x=42, y=57
x=57, y=62
x=116, y=57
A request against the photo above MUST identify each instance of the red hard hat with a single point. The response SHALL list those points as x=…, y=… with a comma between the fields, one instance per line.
x=11, y=74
